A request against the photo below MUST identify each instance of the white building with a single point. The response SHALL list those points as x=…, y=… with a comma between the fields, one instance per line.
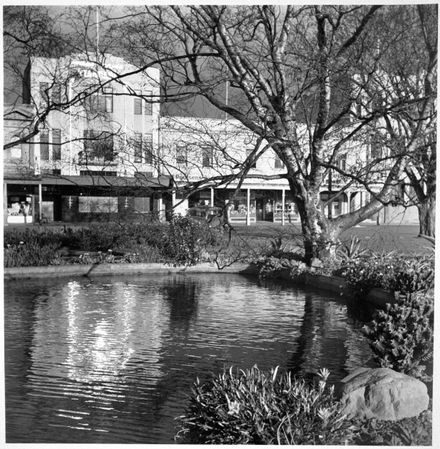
x=95, y=149
x=104, y=152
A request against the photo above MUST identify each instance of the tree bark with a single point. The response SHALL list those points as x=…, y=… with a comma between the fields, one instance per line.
x=320, y=235
x=427, y=217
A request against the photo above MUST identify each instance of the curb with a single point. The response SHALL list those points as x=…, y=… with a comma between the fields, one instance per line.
x=118, y=269
x=376, y=296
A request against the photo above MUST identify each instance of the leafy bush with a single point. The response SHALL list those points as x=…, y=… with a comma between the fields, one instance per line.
x=390, y=272
x=187, y=240
x=347, y=252
x=273, y=267
x=29, y=254
x=30, y=248
x=251, y=407
x=139, y=242
x=416, y=431
x=401, y=336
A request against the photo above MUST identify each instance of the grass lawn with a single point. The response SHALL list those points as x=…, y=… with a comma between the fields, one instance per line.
x=385, y=238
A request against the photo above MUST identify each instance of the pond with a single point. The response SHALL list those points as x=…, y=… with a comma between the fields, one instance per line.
x=112, y=360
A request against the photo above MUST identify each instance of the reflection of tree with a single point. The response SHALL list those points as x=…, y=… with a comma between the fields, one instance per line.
x=322, y=336
x=182, y=298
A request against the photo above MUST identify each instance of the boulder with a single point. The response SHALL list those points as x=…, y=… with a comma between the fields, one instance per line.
x=383, y=394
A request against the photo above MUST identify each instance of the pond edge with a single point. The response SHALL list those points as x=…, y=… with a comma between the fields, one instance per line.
x=334, y=284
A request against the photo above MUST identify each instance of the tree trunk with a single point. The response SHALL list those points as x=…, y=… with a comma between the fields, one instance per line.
x=320, y=236
x=427, y=217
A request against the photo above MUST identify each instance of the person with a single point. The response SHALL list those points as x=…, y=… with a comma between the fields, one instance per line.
x=25, y=208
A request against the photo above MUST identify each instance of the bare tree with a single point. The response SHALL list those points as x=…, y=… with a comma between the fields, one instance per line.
x=313, y=84
x=309, y=81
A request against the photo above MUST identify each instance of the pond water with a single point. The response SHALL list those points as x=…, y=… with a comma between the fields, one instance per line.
x=112, y=360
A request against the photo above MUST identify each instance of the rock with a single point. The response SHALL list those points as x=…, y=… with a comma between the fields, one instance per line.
x=383, y=394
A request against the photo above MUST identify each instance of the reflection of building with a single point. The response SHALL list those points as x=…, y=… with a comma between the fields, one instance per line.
x=110, y=155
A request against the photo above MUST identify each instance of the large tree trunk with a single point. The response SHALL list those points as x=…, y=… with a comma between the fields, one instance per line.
x=320, y=235
x=427, y=217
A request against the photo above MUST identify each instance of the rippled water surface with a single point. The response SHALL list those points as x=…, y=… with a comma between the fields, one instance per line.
x=112, y=360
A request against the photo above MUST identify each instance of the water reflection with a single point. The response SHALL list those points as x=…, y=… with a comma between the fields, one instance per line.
x=114, y=360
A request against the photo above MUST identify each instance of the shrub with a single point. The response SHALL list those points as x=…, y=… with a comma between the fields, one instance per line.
x=416, y=431
x=251, y=407
x=401, y=336
x=348, y=252
x=273, y=267
x=30, y=254
x=187, y=240
x=30, y=248
x=390, y=272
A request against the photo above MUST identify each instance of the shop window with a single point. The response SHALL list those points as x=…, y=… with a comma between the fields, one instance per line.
x=44, y=145
x=97, y=204
x=142, y=205
x=56, y=144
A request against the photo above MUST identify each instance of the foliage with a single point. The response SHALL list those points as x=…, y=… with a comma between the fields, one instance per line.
x=29, y=253
x=401, y=336
x=274, y=267
x=100, y=243
x=390, y=272
x=416, y=431
x=252, y=407
x=29, y=248
x=352, y=250
x=187, y=240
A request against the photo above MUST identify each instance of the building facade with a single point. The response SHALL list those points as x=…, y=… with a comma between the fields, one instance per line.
x=92, y=158
x=103, y=152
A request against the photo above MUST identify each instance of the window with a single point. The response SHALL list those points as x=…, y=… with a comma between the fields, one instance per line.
x=181, y=155
x=44, y=92
x=148, y=105
x=98, y=146
x=375, y=147
x=143, y=148
x=141, y=205
x=148, y=148
x=207, y=157
x=138, y=148
x=97, y=173
x=56, y=93
x=248, y=155
x=278, y=162
x=44, y=145
x=342, y=162
x=101, y=102
x=56, y=144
